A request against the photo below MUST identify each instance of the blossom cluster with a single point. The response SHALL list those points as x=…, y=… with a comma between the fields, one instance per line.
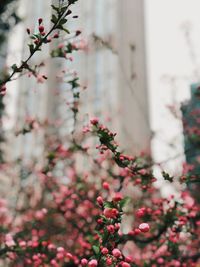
x=89, y=205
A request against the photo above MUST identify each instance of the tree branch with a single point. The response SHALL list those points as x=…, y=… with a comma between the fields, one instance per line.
x=41, y=42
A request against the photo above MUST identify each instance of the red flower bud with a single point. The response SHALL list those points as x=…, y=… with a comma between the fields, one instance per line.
x=84, y=262
x=140, y=212
x=109, y=261
x=116, y=253
x=41, y=28
x=56, y=35
x=40, y=20
x=144, y=227
x=125, y=264
x=94, y=121
x=100, y=200
x=106, y=186
x=78, y=33
x=68, y=12
x=104, y=251
x=92, y=263
x=137, y=231
x=117, y=197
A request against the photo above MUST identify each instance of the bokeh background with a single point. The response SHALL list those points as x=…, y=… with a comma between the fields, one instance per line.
x=139, y=61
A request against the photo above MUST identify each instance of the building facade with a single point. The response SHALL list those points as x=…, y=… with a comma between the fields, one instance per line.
x=113, y=68
x=191, y=126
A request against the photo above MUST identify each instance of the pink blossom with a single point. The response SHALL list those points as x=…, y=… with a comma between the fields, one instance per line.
x=116, y=253
x=92, y=263
x=144, y=227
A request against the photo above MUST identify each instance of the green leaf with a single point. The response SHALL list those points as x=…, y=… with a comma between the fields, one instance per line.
x=60, y=27
x=25, y=131
x=63, y=21
x=120, y=163
x=14, y=67
x=33, y=37
x=72, y=1
x=167, y=177
x=65, y=30
x=124, y=202
x=96, y=249
x=31, y=48
x=54, y=19
x=108, y=204
x=55, y=8
x=80, y=186
x=51, y=156
x=64, y=8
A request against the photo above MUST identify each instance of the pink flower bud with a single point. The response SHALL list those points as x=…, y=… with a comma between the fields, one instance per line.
x=111, y=228
x=22, y=244
x=140, y=212
x=84, y=262
x=54, y=263
x=128, y=259
x=40, y=20
x=144, y=227
x=110, y=213
x=60, y=249
x=116, y=253
x=41, y=28
x=51, y=246
x=109, y=261
x=125, y=264
x=117, y=197
x=104, y=251
x=137, y=231
x=94, y=121
x=100, y=200
x=160, y=260
x=9, y=240
x=92, y=263
x=106, y=186
x=69, y=256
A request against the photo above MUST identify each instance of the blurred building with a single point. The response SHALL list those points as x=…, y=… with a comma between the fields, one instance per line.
x=25, y=98
x=8, y=20
x=191, y=126
x=113, y=69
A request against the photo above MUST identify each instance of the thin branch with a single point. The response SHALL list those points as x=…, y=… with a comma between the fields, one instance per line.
x=128, y=237
x=37, y=47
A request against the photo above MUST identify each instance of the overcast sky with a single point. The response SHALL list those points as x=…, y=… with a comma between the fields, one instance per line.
x=172, y=65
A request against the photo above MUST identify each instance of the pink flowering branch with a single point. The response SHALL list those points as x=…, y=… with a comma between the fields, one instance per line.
x=63, y=12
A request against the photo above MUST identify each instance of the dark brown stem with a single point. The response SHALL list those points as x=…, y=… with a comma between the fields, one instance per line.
x=128, y=237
